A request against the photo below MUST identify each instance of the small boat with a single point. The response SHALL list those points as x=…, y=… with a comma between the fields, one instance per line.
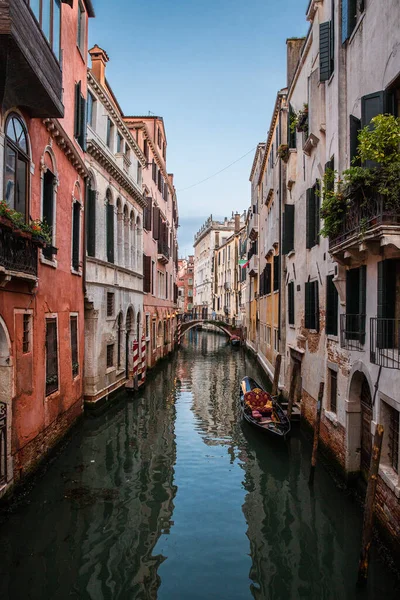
x=235, y=340
x=261, y=410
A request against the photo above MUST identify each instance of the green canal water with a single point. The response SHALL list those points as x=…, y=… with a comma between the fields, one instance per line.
x=168, y=495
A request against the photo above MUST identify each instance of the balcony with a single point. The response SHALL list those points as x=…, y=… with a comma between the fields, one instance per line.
x=18, y=256
x=30, y=74
x=385, y=342
x=253, y=226
x=253, y=265
x=352, y=332
x=163, y=252
x=366, y=226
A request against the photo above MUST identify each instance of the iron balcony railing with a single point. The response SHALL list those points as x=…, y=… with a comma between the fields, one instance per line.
x=163, y=249
x=352, y=331
x=363, y=216
x=3, y=442
x=385, y=342
x=17, y=252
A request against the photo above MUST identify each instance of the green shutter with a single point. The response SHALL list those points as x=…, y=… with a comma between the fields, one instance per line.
x=317, y=202
x=288, y=229
x=91, y=223
x=371, y=106
x=78, y=107
x=83, y=117
x=332, y=298
x=110, y=233
x=310, y=218
x=325, y=46
x=268, y=278
x=386, y=303
x=355, y=126
x=276, y=273
x=291, y=303
x=308, y=309
x=316, y=304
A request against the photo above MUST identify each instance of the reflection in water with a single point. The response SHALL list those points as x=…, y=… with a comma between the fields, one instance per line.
x=169, y=496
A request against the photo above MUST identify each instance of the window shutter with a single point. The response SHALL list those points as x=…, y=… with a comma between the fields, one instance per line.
x=288, y=229
x=291, y=134
x=154, y=171
x=268, y=278
x=371, y=106
x=331, y=325
x=91, y=223
x=149, y=213
x=355, y=126
x=310, y=218
x=76, y=215
x=316, y=305
x=83, y=133
x=386, y=303
x=349, y=18
x=291, y=303
x=325, y=58
x=276, y=273
x=261, y=284
x=146, y=273
x=308, y=311
x=156, y=223
x=110, y=233
x=78, y=108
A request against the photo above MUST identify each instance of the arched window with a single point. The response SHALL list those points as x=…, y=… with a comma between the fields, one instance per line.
x=119, y=339
x=91, y=219
x=138, y=243
x=120, y=240
x=126, y=237
x=16, y=165
x=109, y=227
x=138, y=326
x=133, y=240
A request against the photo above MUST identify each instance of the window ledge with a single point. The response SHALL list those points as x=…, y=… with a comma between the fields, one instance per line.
x=110, y=370
x=46, y=261
x=391, y=478
x=332, y=417
x=291, y=253
x=53, y=395
x=292, y=326
x=356, y=28
x=332, y=338
x=77, y=273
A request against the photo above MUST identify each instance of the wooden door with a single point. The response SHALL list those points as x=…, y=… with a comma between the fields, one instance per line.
x=366, y=437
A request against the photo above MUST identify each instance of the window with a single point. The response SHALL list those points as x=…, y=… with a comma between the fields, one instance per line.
x=119, y=339
x=48, y=15
x=291, y=319
x=311, y=305
x=291, y=129
x=76, y=234
x=312, y=223
x=159, y=139
x=146, y=149
x=110, y=304
x=332, y=391
x=153, y=267
x=80, y=117
x=393, y=445
x=268, y=335
x=190, y=282
x=51, y=356
x=110, y=132
x=139, y=174
x=90, y=109
x=351, y=11
x=74, y=345
x=153, y=335
x=91, y=221
x=326, y=51
x=276, y=273
x=332, y=306
x=147, y=327
x=26, y=333
x=80, y=38
x=147, y=214
x=48, y=210
x=154, y=171
x=110, y=228
x=16, y=164
x=353, y=322
x=166, y=286
x=288, y=229
x=110, y=356
x=276, y=340
x=119, y=142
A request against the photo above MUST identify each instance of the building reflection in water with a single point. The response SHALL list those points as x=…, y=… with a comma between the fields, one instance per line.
x=90, y=526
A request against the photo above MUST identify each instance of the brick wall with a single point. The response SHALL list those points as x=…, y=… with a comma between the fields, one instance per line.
x=387, y=513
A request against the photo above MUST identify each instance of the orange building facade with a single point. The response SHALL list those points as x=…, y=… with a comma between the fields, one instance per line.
x=185, y=282
x=160, y=246
x=42, y=181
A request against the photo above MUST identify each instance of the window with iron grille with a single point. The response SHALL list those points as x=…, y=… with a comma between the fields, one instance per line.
x=393, y=445
x=74, y=345
x=332, y=391
x=110, y=304
x=51, y=356
x=26, y=334
x=110, y=355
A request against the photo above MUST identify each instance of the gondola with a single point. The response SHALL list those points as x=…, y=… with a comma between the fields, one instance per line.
x=261, y=410
x=235, y=340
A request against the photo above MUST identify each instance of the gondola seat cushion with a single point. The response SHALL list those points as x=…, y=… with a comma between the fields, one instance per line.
x=259, y=400
x=256, y=414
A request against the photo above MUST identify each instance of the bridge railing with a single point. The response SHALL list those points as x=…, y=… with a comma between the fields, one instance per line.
x=193, y=316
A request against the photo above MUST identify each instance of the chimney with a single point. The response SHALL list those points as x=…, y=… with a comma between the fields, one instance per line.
x=293, y=51
x=237, y=222
x=99, y=60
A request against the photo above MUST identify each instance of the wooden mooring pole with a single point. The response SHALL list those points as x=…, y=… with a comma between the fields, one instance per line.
x=316, y=433
x=277, y=371
x=294, y=384
x=369, y=507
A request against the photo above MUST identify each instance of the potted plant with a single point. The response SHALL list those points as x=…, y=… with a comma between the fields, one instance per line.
x=283, y=152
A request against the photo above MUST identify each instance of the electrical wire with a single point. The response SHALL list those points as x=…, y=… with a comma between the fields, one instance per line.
x=215, y=174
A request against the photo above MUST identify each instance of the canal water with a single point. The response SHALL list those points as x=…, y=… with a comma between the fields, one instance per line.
x=168, y=495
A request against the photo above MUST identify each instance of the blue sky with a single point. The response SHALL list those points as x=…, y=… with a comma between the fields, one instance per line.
x=211, y=68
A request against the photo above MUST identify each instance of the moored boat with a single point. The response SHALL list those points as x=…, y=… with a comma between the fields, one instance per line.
x=235, y=340
x=261, y=410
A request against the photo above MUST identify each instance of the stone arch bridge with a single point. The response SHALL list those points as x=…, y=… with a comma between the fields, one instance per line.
x=227, y=328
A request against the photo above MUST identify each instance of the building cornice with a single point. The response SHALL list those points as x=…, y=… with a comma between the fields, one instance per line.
x=306, y=47
x=64, y=142
x=100, y=156
x=260, y=147
x=95, y=85
x=279, y=97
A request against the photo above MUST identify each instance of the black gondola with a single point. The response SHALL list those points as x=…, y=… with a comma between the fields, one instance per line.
x=272, y=421
x=235, y=340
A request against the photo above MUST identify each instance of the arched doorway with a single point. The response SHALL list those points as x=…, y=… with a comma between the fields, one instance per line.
x=5, y=405
x=359, y=442
x=129, y=329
